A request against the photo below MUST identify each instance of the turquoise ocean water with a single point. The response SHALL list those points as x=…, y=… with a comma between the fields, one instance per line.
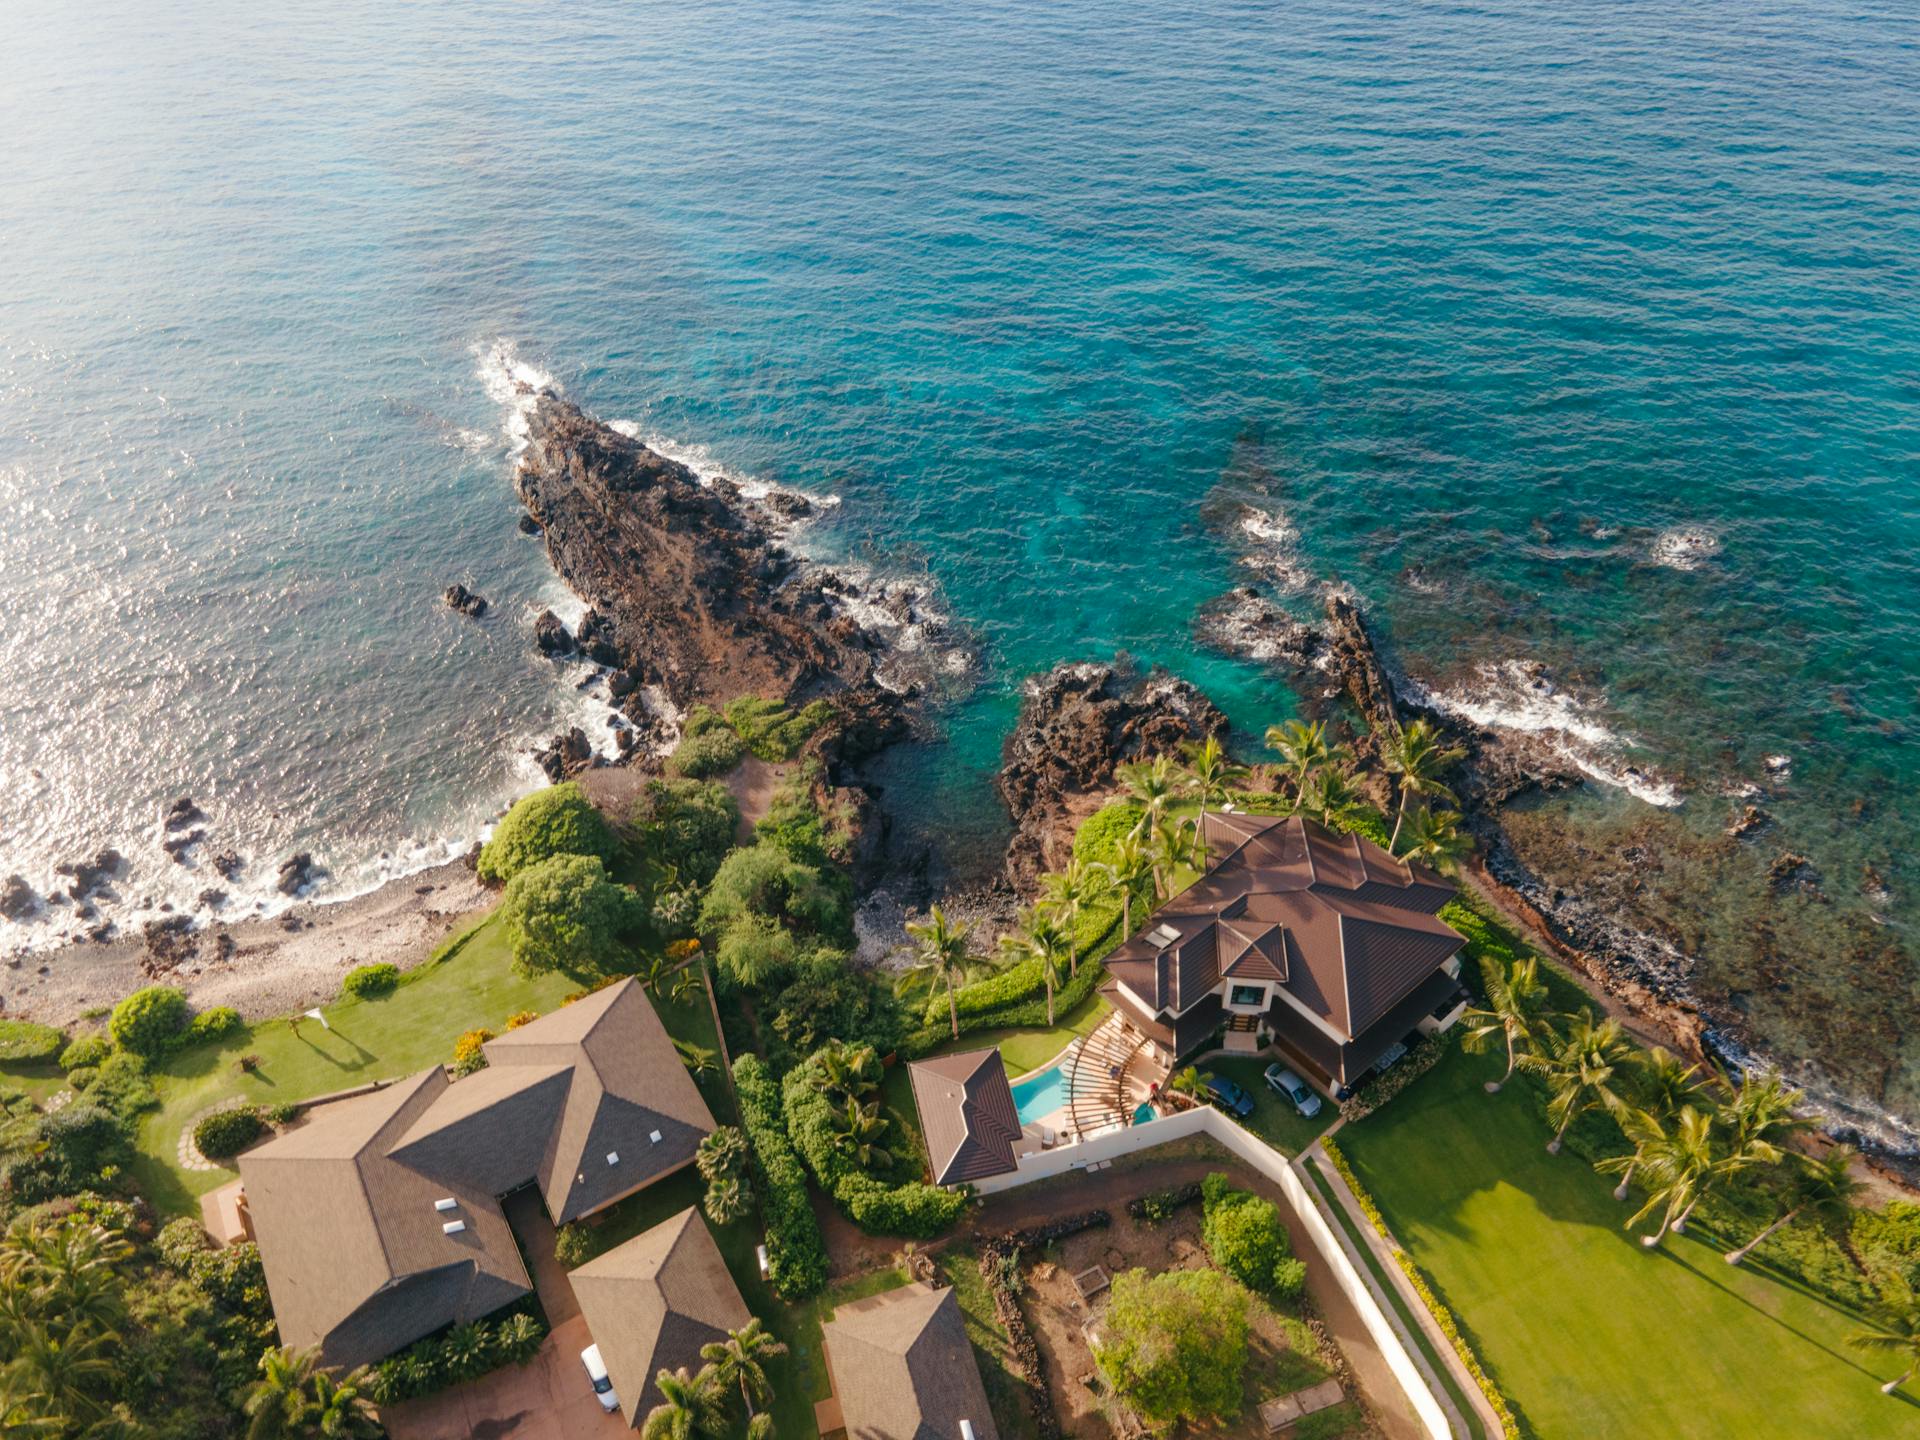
x=1587, y=336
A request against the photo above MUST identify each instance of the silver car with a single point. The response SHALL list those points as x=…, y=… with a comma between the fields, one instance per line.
x=1290, y=1087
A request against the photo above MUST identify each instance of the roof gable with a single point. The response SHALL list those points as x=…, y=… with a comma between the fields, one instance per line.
x=904, y=1369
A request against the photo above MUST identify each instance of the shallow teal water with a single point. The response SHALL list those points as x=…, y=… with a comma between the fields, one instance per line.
x=1040, y=1095
x=1476, y=302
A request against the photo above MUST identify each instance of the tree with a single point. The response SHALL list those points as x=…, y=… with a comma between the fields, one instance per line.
x=1042, y=940
x=861, y=1131
x=688, y=1406
x=753, y=950
x=1171, y=843
x=559, y=820
x=940, y=957
x=296, y=1397
x=1820, y=1190
x=1211, y=773
x=848, y=1072
x=1332, y=798
x=1682, y=1161
x=1419, y=757
x=685, y=825
x=1245, y=1237
x=1174, y=1346
x=1188, y=1085
x=150, y=1022
x=1066, y=891
x=1154, y=783
x=727, y=1201
x=62, y=1299
x=1303, y=749
x=1131, y=863
x=1895, y=1330
x=741, y=1359
x=1662, y=1084
x=566, y=914
x=1515, y=1000
x=1760, y=1116
x=1581, y=1071
x=1434, y=838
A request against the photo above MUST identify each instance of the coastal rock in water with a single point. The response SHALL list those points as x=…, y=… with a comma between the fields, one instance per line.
x=89, y=876
x=529, y=525
x=17, y=900
x=1354, y=661
x=212, y=899
x=177, y=846
x=297, y=872
x=1751, y=822
x=1793, y=872
x=566, y=754
x=1246, y=623
x=459, y=597
x=550, y=636
x=596, y=639
x=183, y=813
x=227, y=864
x=1077, y=722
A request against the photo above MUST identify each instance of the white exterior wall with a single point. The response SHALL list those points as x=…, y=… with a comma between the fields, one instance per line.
x=1247, y=1147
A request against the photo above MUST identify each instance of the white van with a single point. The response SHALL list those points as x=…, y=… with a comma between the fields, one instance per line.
x=597, y=1373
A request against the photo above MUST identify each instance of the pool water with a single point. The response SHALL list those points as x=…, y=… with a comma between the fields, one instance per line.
x=1040, y=1095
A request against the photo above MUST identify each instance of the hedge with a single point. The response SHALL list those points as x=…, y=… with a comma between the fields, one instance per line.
x=1443, y=1317
x=466, y=1352
x=368, y=981
x=25, y=1042
x=214, y=1024
x=225, y=1133
x=796, y=1255
x=915, y=1209
x=1022, y=1014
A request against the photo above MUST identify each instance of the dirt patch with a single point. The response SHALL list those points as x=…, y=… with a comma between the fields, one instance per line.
x=752, y=784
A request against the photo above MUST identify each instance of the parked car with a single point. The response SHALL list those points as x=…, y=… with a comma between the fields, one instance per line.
x=1291, y=1088
x=597, y=1373
x=1228, y=1096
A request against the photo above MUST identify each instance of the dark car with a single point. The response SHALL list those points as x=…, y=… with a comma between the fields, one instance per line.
x=1228, y=1096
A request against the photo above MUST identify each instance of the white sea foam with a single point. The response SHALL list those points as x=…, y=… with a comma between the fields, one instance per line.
x=1685, y=547
x=707, y=469
x=1518, y=695
x=512, y=383
x=1274, y=551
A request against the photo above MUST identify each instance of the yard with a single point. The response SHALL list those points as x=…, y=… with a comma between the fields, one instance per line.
x=1588, y=1334
x=1273, y=1119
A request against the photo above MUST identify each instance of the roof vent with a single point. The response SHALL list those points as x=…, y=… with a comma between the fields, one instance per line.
x=613, y=1157
x=655, y=1136
x=446, y=1202
x=453, y=1227
x=1161, y=936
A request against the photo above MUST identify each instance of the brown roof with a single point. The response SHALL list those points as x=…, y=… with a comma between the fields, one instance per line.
x=652, y=1302
x=1344, y=929
x=967, y=1115
x=356, y=1258
x=628, y=1086
x=903, y=1368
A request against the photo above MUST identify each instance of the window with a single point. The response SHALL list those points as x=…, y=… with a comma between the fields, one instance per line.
x=1247, y=996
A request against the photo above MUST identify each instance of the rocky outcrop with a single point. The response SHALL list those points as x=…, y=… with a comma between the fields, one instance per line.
x=17, y=900
x=551, y=636
x=297, y=872
x=1077, y=723
x=567, y=754
x=460, y=598
x=91, y=876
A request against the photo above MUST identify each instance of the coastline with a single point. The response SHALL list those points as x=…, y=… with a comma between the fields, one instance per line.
x=273, y=968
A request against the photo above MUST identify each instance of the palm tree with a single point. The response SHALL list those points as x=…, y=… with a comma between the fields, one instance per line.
x=1896, y=1330
x=1434, y=838
x=848, y=1072
x=741, y=1359
x=1682, y=1162
x=722, y=1155
x=686, y=1406
x=341, y=1408
x=727, y=1200
x=1189, y=1086
x=1082, y=883
x=1515, y=999
x=939, y=956
x=1664, y=1084
x=1331, y=796
x=62, y=1378
x=1131, y=863
x=1211, y=773
x=1040, y=939
x=760, y=1427
x=71, y=1269
x=861, y=1129
x=1302, y=749
x=1153, y=783
x=297, y=1396
x=1419, y=757
x=1171, y=844
x=1822, y=1190
x=1760, y=1116
x=1581, y=1070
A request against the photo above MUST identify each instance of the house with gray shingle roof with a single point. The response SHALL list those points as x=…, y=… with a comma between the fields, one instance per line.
x=1318, y=943
x=379, y=1218
x=902, y=1368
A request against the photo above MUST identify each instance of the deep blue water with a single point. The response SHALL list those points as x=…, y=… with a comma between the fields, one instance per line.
x=1484, y=303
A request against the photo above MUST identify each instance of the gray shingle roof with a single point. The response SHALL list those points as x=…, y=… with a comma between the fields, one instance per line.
x=903, y=1368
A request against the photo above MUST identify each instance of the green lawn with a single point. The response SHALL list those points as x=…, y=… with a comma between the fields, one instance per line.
x=1273, y=1119
x=471, y=985
x=1588, y=1334
x=1025, y=1050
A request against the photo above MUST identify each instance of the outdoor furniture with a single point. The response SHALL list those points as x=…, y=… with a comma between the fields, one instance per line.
x=1283, y=1410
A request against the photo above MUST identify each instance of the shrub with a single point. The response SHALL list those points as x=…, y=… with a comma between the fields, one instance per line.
x=81, y=1146
x=370, y=981
x=770, y=730
x=150, y=1022
x=249, y=1063
x=708, y=747
x=573, y=1245
x=685, y=825
x=87, y=1050
x=284, y=1113
x=522, y=1017
x=1174, y=1346
x=796, y=1255
x=559, y=820
x=754, y=950
x=828, y=999
x=227, y=1132
x=214, y=1024
x=462, y=1353
x=763, y=879
x=565, y=914
x=469, y=1053
x=1245, y=1237
x=119, y=1083
x=23, y=1042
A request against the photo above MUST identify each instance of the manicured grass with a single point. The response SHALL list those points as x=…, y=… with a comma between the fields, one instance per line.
x=992, y=1351
x=1588, y=1334
x=1273, y=1119
x=1025, y=1050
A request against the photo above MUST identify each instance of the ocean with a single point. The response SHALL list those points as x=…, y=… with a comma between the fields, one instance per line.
x=1581, y=342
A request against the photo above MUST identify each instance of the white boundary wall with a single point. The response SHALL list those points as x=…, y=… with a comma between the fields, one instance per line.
x=1205, y=1120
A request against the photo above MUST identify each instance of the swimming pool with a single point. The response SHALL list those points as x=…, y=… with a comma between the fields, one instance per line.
x=1041, y=1094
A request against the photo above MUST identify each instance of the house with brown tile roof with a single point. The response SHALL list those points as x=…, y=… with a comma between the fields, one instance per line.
x=967, y=1115
x=652, y=1302
x=1321, y=944
x=379, y=1218
x=902, y=1368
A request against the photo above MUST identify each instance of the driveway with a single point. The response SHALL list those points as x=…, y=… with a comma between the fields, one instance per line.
x=548, y=1398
